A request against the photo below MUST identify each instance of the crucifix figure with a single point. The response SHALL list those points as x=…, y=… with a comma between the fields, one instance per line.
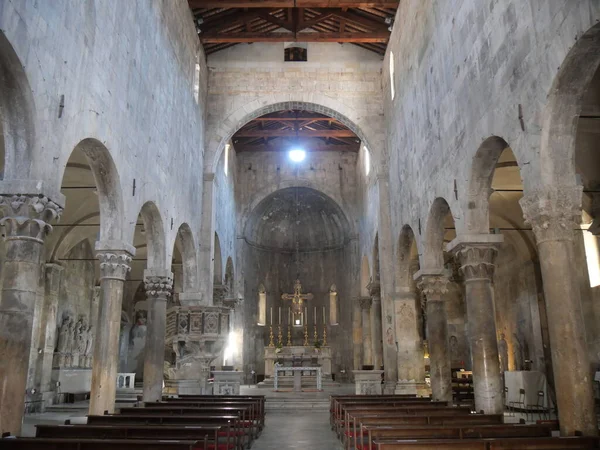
x=297, y=298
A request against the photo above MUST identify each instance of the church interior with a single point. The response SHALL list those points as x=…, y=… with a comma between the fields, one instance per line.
x=280, y=223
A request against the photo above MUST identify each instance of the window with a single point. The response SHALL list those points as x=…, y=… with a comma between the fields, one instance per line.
x=392, y=78
x=226, y=162
x=197, y=79
x=367, y=156
x=590, y=243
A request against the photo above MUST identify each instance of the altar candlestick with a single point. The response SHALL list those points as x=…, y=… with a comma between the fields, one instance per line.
x=290, y=316
x=280, y=315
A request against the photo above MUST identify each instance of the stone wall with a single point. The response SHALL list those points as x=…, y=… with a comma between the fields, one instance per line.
x=125, y=76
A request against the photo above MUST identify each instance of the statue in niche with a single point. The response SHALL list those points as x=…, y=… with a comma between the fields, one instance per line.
x=518, y=352
x=89, y=347
x=63, y=335
x=503, y=353
x=81, y=332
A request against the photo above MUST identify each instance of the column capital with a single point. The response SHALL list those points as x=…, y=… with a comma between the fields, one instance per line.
x=158, y=284
x=476, y=255
x=54, y=267
x=27, y=216
x=374, y=288
x=115, y=259
x=365, y=302
x=553, y=213
x=432, y=283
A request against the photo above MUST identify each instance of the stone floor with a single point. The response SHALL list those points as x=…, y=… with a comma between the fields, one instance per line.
x=300, y=430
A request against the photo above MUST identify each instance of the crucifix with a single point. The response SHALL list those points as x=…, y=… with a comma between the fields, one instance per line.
x=297, y=299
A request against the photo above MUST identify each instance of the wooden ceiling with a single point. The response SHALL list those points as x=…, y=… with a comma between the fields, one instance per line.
x=224, y=23
x=284, y=130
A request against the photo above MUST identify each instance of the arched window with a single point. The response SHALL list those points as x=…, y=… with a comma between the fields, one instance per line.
x=197, y=79
x=262, y=305
x=226, y=162
x=392, y=78
x=367, y=156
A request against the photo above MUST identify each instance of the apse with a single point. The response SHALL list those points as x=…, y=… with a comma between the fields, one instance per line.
x=298, y=233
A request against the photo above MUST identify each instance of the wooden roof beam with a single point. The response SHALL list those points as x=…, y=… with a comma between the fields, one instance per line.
x=292, y=133
x=293, y=4
x=219, y=38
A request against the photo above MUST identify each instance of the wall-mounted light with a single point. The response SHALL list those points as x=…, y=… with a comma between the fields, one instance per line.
x=297, y=155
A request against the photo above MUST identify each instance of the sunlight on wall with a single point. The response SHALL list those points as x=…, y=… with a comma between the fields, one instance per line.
x=226, y=162
x=392, y=78
x=367, y=160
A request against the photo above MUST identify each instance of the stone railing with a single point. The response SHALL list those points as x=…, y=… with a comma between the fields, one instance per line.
x=126, y=380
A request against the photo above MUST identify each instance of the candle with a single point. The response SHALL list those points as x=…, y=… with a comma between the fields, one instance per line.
x=315, y=315
x=305, y=315
x=271, y=315
x=289, y=316
x=323, y=315
x=280, y=315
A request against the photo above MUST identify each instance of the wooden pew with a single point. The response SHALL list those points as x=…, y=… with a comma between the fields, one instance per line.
x=370, y=433
x=217, y=398
x=403, y=420
x=221, y=435
x=98, y=444
x=183, y=420
x=336, y=402
x=176, y=410
x=254, y=405
x=389, y=406
x=554, y=443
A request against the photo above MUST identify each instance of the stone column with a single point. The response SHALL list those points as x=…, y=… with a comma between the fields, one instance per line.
x=476, y=255
x=387, y=275
x=433, y=284
x=411, y=366
x=115, y=262
x=357, y=333
x=365, y=305
x=159, y=287
x=26, y=220
x=554, y=213
x=376, y=333
x=95, y=308
x=52, y=286
x=207, y=240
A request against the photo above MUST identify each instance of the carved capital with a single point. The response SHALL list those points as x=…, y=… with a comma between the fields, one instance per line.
x=477, y=261
x=27, y=217
x=365, y=303
x=433, y=286
x=158, y=287
x=374, y=288
x=554, y=213
x=114, y=264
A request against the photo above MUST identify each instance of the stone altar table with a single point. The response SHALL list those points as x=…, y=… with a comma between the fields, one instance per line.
x=298, y=376
x=367, y=382
x=306, y=355
x=227, y=382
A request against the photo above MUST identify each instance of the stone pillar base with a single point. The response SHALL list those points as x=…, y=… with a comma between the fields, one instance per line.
x=389, y=387
x=368, y=382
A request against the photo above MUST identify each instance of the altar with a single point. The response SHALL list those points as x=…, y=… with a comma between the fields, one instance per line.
x=298, y=356
x=297, y=376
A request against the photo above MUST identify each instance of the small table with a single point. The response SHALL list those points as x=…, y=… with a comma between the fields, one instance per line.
x=297, y=376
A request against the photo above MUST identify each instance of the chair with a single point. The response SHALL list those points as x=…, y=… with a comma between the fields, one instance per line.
x=538, y=407
x=509, y=405
x=520, y=404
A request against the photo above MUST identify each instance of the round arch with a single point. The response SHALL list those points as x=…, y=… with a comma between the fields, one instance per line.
x=238, y=118
x=17, y=109
x=433, y=245
x=186, y=245
x=155, y=236
x=407, y=255
x=561, y=113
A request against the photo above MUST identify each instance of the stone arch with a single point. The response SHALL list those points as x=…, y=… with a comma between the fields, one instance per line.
x=433, y=254
x=155, y=236
x=407, y=256
x=238, y=118
x=106, y=178
x=217, y=261
x=187, y=249
x=365, y=276
x=17, y=110
x=561, y=113
x=480, y=183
